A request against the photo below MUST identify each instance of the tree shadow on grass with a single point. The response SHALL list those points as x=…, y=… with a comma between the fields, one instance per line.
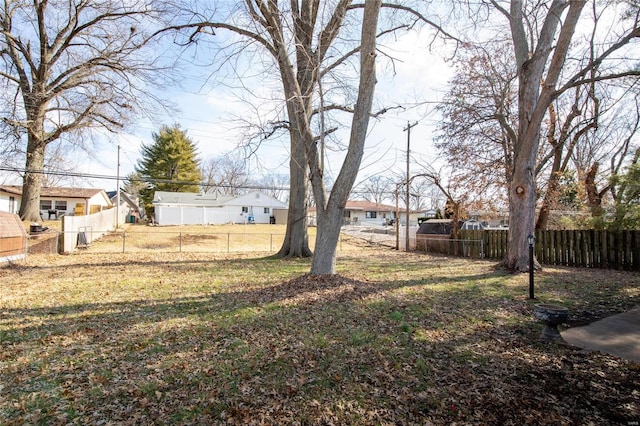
x=441, y=348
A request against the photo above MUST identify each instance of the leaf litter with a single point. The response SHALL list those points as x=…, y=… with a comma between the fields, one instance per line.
x=392, y=339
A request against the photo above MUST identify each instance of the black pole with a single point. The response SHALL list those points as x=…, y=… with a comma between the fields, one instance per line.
x=531, y=296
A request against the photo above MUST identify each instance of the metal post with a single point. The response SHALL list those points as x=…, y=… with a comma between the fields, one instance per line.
x=118, y=190
x=397, y=219
x=408, y=130
x=124, y=239
x=531, y=238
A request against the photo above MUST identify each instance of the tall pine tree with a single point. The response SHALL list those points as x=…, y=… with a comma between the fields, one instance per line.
x=170, y=164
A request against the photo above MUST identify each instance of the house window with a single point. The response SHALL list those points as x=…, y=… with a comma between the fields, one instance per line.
x=370, y=215
x=267, y=210
x=245, y=210
x=45, y=204
x=12, y=204
x=61, y=205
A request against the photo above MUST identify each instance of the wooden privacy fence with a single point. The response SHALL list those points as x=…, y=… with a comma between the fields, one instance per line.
x=584, y=248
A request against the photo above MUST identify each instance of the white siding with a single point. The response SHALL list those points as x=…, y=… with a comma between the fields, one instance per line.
x=179, y=212
x=8, y=205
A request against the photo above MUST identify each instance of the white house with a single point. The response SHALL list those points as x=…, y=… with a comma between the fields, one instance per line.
x=186, y=208
x=55, y=202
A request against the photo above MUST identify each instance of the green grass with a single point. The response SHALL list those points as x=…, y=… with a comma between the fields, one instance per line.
x=201, y=339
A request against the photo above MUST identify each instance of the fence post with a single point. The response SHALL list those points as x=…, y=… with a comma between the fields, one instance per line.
x=124, y=239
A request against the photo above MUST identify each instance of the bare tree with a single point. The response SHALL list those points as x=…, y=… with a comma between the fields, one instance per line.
x=308, y=45
x=422, y=194
x=275, y=185
x=569, y=126
x=542, y=35
x=376, y=189
x=71, y=66
x=225, y=175
x=604, y=153
x=454, y=198
x=60, y=166
x=479, y=125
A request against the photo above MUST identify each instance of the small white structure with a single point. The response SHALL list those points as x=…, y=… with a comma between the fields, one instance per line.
x=187, y=208
x=473, y=224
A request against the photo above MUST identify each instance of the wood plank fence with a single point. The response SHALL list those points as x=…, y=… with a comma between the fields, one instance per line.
x=583, y=248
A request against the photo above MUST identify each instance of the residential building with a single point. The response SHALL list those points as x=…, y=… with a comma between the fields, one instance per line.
x=362, y=213
x=55, y=202
x=186, y=208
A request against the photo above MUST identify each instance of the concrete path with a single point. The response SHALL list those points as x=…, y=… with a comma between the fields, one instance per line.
x=617, y=335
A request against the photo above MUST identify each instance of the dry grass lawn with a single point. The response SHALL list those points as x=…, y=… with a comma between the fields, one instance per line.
x=168, y=337
x=202, y=239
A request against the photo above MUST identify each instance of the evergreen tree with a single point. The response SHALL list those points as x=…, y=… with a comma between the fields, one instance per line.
x=133, y=184
x=170, y=164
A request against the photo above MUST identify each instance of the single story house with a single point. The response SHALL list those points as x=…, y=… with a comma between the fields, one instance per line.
x=362, y=213
x=187, y=208
x=55, y=202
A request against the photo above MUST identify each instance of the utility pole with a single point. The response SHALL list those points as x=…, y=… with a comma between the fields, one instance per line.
x=408, y=130
x=397, y=217
x=118, y=191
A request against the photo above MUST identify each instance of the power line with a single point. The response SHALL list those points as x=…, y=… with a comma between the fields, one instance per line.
x=142, y=179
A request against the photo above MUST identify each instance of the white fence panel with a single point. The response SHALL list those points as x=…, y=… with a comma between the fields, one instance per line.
x=187, y=215
x=93, y=226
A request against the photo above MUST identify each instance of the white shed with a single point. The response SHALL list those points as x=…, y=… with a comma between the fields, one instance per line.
x=185, y=208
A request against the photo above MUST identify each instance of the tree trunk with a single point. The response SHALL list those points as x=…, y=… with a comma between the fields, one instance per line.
x=330, y=213
x=32, y=181
x=521, y=214
x=594, y=198
x=549, y=199
x=329, y=224
x=296, y=239
x=522, y=196
x=533, y=102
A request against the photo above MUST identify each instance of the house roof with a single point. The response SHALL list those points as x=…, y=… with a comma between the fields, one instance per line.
x=368, y=206
x=255, y=198
x=190, y=198
x=360, y=205
x=83, y=193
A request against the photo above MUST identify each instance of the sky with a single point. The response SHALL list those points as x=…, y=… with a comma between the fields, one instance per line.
x=207, y=114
